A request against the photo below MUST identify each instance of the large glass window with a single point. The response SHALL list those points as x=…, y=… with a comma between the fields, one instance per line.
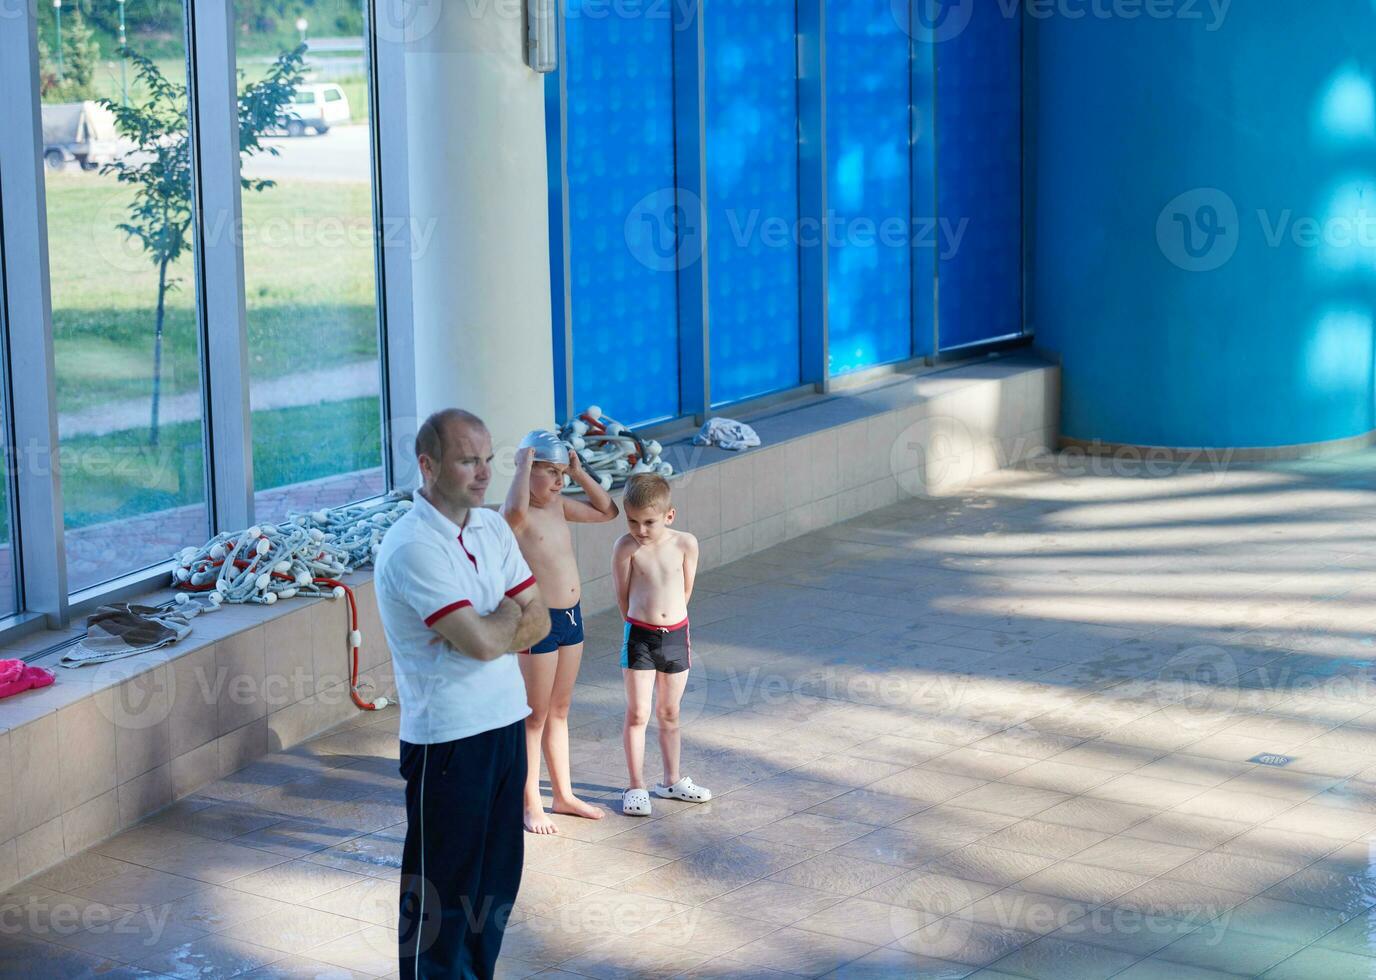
x=309, y=273
x=979, y=130
x=128, y=379
x=626, y=221
x=752, y=187
x=869, y=189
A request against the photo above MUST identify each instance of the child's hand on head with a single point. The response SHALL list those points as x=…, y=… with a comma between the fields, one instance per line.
x=524, y=457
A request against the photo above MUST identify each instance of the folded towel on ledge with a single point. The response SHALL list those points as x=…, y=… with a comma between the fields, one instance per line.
x=728, y=434
x=124, y=629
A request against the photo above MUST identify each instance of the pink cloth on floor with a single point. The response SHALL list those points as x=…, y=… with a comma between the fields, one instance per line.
x=17, y=676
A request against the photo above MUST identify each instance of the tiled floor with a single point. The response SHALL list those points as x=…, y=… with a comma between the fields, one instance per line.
x=1003, y=734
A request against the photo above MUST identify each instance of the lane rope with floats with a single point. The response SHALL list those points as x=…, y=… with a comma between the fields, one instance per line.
x=306, y=556
x=610, y=451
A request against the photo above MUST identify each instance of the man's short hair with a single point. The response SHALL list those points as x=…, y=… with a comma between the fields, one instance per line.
x=430, y=437
x=648, y=490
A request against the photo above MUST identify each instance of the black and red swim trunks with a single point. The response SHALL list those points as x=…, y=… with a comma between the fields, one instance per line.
x=666, y=649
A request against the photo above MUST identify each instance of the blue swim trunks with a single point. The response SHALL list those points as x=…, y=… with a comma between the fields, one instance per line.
x=565, y=630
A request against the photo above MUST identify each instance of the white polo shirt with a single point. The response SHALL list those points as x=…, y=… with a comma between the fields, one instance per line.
x=428, y=567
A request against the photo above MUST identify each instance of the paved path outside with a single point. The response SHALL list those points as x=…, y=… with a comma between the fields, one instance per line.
x=1004, y=734
x=342, y=154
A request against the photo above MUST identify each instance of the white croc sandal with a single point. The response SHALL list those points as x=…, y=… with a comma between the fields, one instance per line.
x=685, y=789
x=636, y=803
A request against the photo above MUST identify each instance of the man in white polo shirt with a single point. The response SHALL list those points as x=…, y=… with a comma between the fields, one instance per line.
x=456, y=597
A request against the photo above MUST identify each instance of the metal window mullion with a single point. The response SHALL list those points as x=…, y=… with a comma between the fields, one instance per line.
x=214, y=139
x=936, y=199
x=690, y=165
x=813, y=260
x=396, y=229
x=926, y=269
x=1023, y=134
x=560, y=234
x=28, y=319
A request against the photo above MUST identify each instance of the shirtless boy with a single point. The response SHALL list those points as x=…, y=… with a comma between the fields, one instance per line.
x=653, y=567
x=539, y=514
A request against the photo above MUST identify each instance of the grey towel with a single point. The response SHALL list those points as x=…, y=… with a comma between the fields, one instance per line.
x=124, y=629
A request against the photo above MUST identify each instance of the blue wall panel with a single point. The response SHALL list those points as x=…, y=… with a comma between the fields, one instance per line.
x=622, y=217
x=979, y=146
x=1194, y=258
x=752, y=188
x=868, y=185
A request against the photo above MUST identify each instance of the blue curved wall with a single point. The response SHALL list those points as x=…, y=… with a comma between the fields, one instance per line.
x=1202, y=224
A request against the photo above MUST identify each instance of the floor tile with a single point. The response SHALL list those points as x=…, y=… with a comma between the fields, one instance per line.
x=704, y=931
x=295, y=931
x=991, y=865
x=1142, y=857
x=929, y=891
x=1228, y=951
x=294, y=881
x=1083, y=882
x=806, y=954
x=832, y=872
x=1046, y=839
x=211, y=958
x=1241, y=874
x=1289, y=921
x=773, y=901
x=1049, y=958
x=1330, y=964
x=959, y=939
x=625, y=958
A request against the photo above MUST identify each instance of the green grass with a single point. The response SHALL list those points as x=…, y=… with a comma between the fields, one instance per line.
x=308, y=273
x=165, y=37
x=120, y=476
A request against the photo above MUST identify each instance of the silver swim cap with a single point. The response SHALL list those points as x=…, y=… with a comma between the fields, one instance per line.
x=549, y=448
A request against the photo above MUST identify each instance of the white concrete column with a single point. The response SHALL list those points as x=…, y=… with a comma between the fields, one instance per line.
x=476, y=162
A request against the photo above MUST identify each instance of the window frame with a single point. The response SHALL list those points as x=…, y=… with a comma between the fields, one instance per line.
x=27, y=364
x=30, y=381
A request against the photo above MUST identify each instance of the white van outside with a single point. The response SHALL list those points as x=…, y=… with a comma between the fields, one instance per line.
x=316, y=106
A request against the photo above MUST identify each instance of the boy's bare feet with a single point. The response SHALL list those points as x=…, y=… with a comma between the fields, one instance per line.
x=538, y=822
x=575, y=807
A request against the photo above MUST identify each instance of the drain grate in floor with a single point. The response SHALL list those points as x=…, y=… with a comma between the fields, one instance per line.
x=1271, y=759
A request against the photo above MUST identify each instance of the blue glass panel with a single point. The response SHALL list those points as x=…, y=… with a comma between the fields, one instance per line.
x=868, y=185
x=620, y=91
x=752, y=188
x=979, y=134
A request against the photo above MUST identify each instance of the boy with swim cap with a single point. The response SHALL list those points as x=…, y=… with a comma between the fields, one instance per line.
x=539, y=514
x=653, y=567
